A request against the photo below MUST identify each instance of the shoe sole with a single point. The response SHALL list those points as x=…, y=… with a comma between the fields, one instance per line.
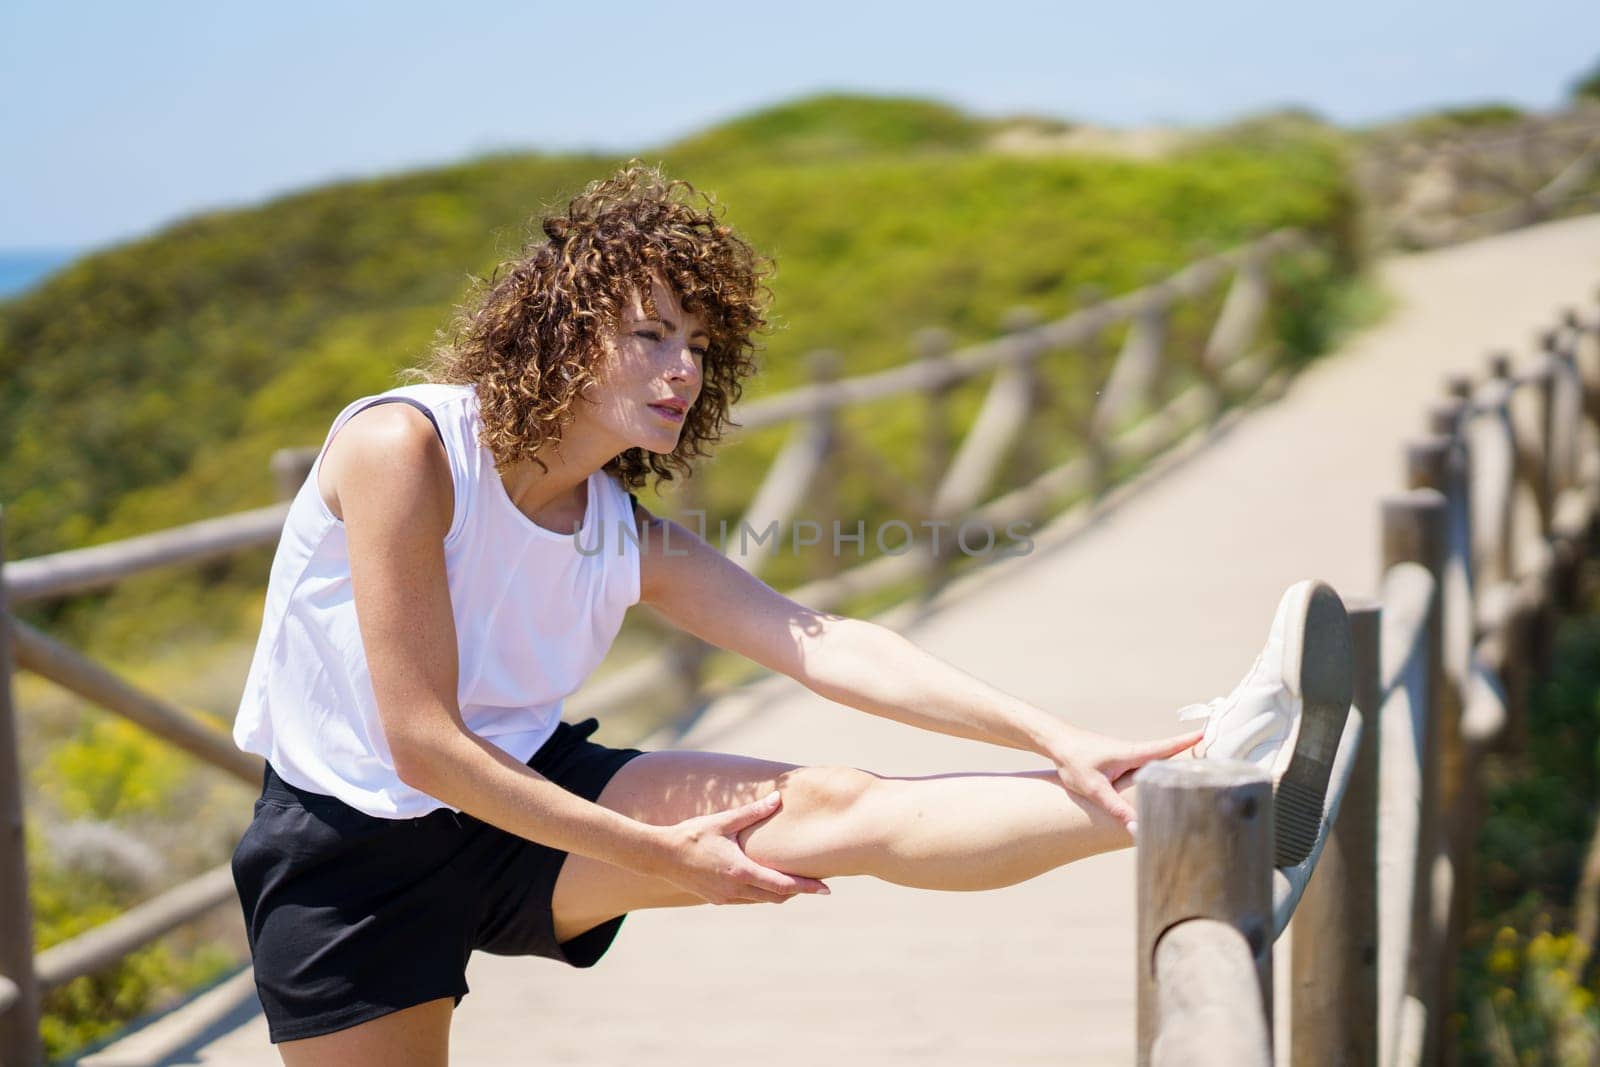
x=1318, y=668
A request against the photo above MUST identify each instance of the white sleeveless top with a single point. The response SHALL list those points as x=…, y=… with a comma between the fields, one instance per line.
x=535, y=612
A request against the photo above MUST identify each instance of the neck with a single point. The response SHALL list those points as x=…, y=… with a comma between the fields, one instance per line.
x=558, y=486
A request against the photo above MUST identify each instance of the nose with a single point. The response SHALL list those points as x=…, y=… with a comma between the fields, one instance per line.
x=685, y=365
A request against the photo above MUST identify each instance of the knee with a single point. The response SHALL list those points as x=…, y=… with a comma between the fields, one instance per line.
x=824, y=790
x=818, y=829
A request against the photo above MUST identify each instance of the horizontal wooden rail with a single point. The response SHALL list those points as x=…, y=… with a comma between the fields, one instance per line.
x=135, y=928
x=80, y=674
x=1184, y=414
x=86, y=569
x=1207, y=991
x=1471, y=183
x=931, y=372
x=83, y=569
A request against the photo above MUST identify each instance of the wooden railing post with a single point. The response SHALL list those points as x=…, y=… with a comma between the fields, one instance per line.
x=19, y=1021
x=937, y=450
x=1503, y=561
x=1447, y=468
x=1414, y=531
x=1334, y=960
x=823, y=366
x=685, y=653
x=1428, y=463
x=1544, y=482
x=1446, y=417
x=1243, y=308
x=290, y=467
x=1205, y=853
x=1541, y=475
x=1029, y=451
x=1587, y=357
x=1140, y=371
x=1094, y=357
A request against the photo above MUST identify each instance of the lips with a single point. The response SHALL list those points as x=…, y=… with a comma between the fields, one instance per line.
x=671, y=410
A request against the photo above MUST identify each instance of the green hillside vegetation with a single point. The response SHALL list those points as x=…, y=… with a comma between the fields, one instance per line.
x=1587, y=84
x=1435, y=125
x=833, y=127
x=148, y=384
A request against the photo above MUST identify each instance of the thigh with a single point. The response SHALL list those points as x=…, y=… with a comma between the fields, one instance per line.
x=417, y=1036
x=660, y=788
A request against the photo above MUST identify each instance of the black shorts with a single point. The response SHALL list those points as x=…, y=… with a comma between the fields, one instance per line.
x=350, y=916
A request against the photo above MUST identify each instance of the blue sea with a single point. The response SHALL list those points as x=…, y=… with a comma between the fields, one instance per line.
x=23, y=268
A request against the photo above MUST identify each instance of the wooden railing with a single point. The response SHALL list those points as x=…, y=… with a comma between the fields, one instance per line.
x=1482, y=181
x=1154, y=392
x=1481, y=554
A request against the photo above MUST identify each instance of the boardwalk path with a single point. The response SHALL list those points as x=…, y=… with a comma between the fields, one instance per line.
x=1162, y=602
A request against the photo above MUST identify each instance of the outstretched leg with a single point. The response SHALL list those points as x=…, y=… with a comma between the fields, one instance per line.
x=947, y=831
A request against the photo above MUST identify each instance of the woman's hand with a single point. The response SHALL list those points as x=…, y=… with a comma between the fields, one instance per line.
x=703, y=856
x=1092, y=764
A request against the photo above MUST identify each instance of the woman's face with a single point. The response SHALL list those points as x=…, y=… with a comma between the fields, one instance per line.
x=649, y=373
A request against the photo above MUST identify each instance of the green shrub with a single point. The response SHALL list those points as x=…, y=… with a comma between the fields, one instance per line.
x=95, y=1006
x=1587, y=86
x=112, y=769
x=1527, y=995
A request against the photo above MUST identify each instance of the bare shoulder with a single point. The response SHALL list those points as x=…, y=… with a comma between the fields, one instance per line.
x=388, y=454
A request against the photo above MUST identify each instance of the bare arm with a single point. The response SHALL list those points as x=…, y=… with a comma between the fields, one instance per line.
x=391, y=483
x=870, y=667
x=854, y=662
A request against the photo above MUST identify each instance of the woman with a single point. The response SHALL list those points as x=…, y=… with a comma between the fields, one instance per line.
x=429, y=608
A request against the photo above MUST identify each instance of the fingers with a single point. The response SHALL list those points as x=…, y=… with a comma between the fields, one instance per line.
x=756, y=895
x=773, y=881
x=763, y=885
x=1101, y=792
x=765, y=879
x=1167, y=746
x=736, y=819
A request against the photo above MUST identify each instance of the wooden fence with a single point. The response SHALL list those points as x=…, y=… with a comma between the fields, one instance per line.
x=1481, y=555
x=1152, y=386
x=1484, y=180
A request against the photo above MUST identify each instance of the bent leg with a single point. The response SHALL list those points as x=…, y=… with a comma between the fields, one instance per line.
x=947, y=831
x=418, y=1035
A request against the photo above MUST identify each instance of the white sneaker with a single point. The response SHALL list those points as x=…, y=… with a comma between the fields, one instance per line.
x=1288, y=712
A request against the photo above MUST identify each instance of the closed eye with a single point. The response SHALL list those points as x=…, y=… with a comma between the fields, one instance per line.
x=652, y=335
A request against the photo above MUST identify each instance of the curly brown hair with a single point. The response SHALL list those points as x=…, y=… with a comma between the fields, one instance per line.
x=528, y=337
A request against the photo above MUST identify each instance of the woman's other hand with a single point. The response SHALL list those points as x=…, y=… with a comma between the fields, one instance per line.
x=1092, y=764
x=703, y=856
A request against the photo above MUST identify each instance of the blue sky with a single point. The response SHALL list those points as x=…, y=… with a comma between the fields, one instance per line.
x=120, y=117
